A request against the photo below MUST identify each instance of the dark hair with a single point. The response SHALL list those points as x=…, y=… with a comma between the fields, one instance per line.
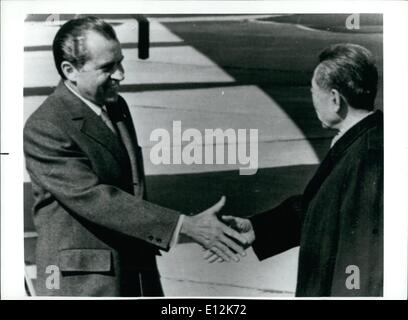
x=69, y=42
x=350, y=69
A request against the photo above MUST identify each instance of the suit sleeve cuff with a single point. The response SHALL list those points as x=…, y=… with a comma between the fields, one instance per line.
x=175, y=238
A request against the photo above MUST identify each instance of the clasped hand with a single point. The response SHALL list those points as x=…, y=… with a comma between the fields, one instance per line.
x=223, y=242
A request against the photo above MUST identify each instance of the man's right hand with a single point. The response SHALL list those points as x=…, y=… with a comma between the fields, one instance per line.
x=243, y=226
x=206, y=229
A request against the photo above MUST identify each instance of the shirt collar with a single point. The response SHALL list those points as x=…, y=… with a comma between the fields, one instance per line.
x=344, y=130
x=94, y=107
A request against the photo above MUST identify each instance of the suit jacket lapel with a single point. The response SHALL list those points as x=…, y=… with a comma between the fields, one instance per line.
x=90, y=124
x=123, y=123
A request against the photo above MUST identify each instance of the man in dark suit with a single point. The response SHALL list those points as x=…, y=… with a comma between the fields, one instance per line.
x=97, y=234
x=338, y=220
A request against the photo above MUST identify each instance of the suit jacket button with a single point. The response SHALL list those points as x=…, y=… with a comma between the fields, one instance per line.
x=158, y=240
x=150, y=238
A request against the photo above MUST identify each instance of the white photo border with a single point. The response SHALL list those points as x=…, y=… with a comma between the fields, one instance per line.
x=395, y=43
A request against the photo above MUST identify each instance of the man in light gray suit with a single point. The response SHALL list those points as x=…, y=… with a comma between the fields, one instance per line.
x=90, y=210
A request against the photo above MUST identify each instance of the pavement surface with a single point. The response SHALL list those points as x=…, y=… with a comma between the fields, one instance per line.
x=227, y=72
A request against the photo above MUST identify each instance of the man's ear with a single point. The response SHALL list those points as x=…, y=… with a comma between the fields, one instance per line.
x=336, y=100
x=339, y=104
x=70, y=72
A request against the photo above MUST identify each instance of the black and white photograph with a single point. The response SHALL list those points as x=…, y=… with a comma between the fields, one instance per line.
x=194, y=154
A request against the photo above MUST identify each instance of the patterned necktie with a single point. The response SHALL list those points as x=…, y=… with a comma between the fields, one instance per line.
x=107, y=120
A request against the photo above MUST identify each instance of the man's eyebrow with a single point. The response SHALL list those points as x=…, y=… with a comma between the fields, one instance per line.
x=111, y=63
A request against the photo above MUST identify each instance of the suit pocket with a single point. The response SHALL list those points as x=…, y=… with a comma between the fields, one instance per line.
x=85, y=260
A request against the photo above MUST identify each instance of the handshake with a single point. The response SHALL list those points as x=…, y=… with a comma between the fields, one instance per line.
x=225, y=239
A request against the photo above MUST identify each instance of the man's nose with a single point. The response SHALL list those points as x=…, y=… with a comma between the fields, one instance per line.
x=119, y=74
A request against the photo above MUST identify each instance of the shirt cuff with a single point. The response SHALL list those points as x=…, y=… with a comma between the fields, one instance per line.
x=174, y=239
